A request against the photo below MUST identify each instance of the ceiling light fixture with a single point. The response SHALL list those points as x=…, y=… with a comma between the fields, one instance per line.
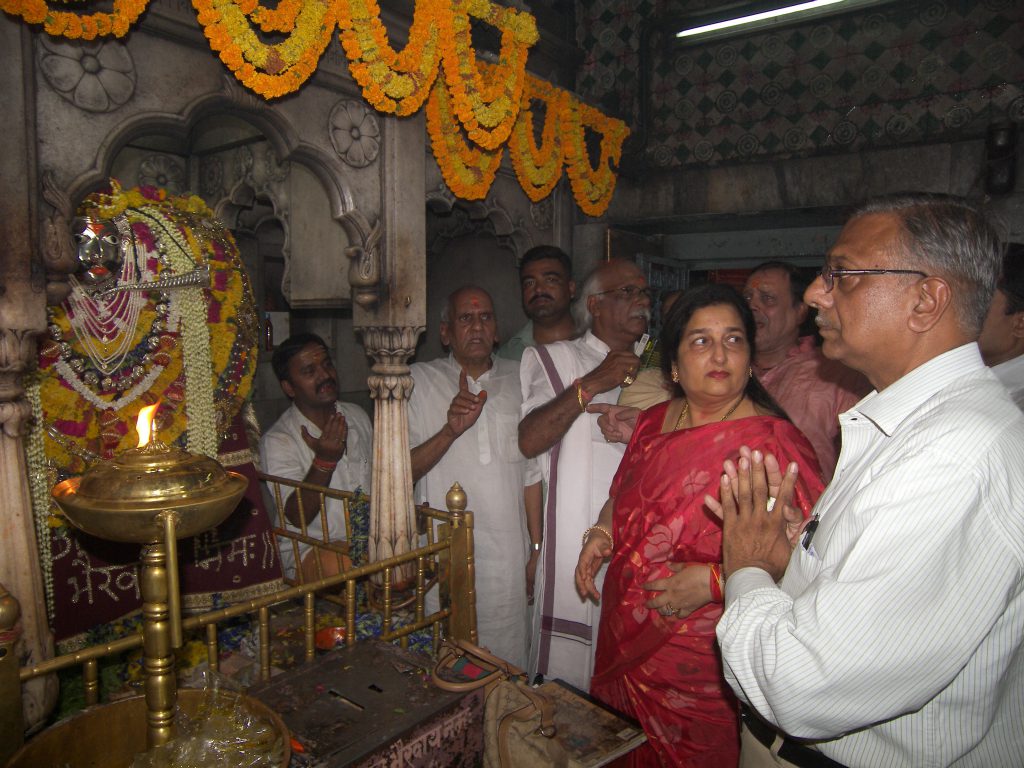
x=768, y=18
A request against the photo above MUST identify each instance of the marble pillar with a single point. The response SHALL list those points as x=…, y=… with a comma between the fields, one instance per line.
x=392, y=527
x=388, y=276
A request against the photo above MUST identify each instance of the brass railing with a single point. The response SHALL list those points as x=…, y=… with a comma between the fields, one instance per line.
x=446, y=558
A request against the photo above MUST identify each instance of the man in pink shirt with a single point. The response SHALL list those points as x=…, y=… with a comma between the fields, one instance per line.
x=810, y=388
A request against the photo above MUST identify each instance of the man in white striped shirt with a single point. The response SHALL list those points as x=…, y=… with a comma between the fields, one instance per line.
x=894, y=637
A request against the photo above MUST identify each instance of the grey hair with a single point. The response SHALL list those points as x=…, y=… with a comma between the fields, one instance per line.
x=592, y=285
x=949, y=237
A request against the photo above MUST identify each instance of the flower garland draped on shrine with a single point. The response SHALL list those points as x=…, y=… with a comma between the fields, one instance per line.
x=490, y=104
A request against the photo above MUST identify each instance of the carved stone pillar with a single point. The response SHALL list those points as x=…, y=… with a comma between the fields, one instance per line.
x=392, y=519
x=19, y=555
x=23, y=288
x=387, y=272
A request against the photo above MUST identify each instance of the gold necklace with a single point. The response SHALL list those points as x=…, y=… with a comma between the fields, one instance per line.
x=686, y=410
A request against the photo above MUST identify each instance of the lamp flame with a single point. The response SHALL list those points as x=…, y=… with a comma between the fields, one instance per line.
x=144, y=424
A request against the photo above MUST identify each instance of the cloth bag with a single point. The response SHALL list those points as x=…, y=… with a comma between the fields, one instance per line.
x=519, y=722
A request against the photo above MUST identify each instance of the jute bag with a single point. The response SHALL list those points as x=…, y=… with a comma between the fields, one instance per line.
x=519, y=722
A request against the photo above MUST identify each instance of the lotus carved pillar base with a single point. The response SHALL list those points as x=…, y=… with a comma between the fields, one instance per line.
x=392, y=512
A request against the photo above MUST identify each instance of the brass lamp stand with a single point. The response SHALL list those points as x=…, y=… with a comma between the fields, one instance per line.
x=153, y=495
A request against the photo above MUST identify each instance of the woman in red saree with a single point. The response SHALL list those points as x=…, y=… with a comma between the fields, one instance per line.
x=656, y=653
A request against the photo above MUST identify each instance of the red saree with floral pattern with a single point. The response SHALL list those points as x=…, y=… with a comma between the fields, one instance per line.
x=666, y=671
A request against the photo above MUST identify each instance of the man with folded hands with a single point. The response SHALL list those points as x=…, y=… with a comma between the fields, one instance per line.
x=895, y=633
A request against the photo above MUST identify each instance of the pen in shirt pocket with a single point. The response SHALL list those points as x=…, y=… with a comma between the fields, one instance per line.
x=808, y=535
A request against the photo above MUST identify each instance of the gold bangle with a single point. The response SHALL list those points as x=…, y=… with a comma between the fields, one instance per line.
x=579, y=396
x=602, y=529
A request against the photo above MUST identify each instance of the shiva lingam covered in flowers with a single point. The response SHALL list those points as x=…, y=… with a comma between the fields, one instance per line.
x=153, y=494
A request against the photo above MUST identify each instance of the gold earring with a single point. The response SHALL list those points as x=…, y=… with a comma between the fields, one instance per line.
x=675, y=375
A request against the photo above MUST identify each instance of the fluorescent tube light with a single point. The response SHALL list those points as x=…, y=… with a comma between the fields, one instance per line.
x=760, y=19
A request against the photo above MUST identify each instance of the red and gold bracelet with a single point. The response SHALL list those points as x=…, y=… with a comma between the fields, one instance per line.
x=715, y=583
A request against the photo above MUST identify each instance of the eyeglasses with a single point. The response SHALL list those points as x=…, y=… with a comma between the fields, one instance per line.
x=629, y=293
x=829, y=275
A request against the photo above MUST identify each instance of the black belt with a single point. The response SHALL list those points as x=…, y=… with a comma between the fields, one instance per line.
x=791, y=751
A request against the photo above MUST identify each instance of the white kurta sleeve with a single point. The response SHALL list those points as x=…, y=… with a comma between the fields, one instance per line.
x=537, y=389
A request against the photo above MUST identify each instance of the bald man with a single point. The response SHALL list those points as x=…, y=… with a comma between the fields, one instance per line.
x=462, y=425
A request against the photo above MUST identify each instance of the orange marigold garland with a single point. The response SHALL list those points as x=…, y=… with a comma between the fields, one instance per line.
x=592, y=187
x=468, y=170
x=491, y=102
x=538, y=168
x=279, y=19
x=487, y=103
x=392, y=82
x=77, y=26
x=269, y=69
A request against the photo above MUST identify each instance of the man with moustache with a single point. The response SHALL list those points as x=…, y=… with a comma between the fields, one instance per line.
x=895, y=633
x=812, y=390
x=545, y=279
x=560, y=380
x=463, y=414
x=1002, y=335
x=317, y=440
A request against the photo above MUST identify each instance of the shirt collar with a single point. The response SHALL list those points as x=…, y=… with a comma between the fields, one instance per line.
x=454, y=364
x=592, y=341
x=890, y=407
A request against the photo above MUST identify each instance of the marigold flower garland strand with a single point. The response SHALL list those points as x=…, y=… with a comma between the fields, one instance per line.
x=270, y=70
x=394, y=83
x=77, y=26
x=468, y=170
x=538, y=168
x=486, y=103
x=592, y=187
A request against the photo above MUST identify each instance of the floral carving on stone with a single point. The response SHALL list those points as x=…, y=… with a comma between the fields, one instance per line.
x=95, y=77
x=162, y=172
x=355, y=133
x=211, y=177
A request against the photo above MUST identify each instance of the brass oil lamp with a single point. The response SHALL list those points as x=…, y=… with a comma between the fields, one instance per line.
x=153, y=495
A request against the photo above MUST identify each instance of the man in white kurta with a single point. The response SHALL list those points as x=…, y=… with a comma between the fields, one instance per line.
x=459, y=434
x=560, y=381
x=289, y=448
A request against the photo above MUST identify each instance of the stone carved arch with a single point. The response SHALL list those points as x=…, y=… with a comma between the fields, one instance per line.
x=467, y=216
x=282, y=138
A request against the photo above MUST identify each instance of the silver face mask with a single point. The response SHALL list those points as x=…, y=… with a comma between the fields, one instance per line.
x=99, y=252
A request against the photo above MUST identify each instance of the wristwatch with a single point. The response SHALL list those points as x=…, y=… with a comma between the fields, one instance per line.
x=535, y=546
